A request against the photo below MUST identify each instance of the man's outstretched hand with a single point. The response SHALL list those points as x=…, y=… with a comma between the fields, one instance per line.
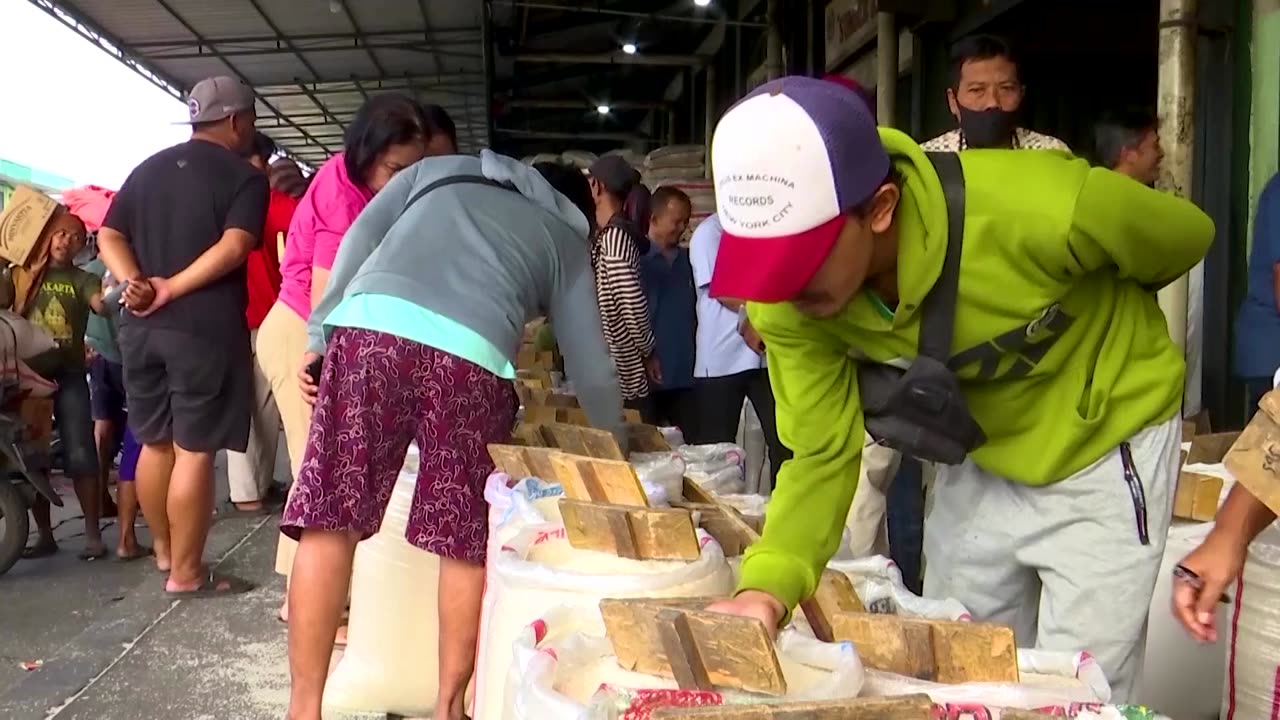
x=753, y=604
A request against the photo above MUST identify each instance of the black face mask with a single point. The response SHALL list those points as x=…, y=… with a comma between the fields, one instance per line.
x=988, y=128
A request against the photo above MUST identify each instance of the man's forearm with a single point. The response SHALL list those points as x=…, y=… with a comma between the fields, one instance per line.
x=116, y=254
x=226, y=255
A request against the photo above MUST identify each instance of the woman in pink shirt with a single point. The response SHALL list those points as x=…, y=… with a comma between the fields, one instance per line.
x=389, y=133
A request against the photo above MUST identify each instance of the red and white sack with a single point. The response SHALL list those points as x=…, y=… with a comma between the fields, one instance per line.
x=1051, y=682
x=563, y=668
x=1253, y=651
x=538, y=570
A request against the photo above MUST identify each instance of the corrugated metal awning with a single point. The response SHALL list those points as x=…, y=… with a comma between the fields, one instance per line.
x=311, y=62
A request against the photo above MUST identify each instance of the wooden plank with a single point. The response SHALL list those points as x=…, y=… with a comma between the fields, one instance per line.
x=521, y=462
x=601, y=481
x=712, y=518
x=834, y=595
x=936, y=650
x=636, y=533
x=646, y=438
x=1270, y=404
x=631, y=416
x=693, y=492
x=1212, y=448
x=682, y=651
x=1254, y=461
x=538, y=415
x=1196, y=497
x=579, y=440
x=974, y=652
x=529, y=435
x=905, y=707
x=564, y=437
x=733, y=652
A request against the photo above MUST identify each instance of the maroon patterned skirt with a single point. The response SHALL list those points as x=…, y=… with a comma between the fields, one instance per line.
x=377, y=393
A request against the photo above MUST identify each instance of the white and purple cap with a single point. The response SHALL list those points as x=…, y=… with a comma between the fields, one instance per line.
x=790, y=160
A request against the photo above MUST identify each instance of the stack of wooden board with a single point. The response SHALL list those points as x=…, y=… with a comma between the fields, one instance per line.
x=1198, y=493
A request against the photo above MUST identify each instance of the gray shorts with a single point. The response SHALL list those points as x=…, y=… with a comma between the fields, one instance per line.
x=188, y=389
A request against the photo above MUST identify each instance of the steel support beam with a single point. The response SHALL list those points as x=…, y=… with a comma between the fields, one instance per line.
x=415, y=46
x=596, y=10
x=234, y=70
x=466, y=36
x=301, y=58
x=553, y=104
x=613, y=58
x=552, y=135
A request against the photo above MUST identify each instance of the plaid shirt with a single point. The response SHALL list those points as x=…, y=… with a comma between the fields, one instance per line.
x=1023, y=139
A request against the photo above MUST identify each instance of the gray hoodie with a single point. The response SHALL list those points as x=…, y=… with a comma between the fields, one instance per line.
x=486, y=258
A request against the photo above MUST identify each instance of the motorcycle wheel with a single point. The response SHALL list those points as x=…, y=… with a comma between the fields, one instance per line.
x=15, y=524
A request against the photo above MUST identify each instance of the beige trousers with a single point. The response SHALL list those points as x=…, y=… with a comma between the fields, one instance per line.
x=280, y=345
x=250, y=473
x=868, y=534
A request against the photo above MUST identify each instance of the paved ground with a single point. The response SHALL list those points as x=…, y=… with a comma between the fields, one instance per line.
x=113, y=647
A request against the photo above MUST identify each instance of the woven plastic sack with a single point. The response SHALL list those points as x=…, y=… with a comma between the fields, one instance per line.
x=676, y=156
x=719, y=468
x=1054, y=681
x=538, y=570
x=391, y=662
x=579, y=158
x=1253, y=659
x=563, y=668
x=661, y=469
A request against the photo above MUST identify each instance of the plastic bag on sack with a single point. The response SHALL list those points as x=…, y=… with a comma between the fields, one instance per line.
x=718, y=468
x=563, y=667
x=673, y=435
x=390, y=663
x=878, y=582
x=665, y=469
x=1051, y=682
x=538, y=570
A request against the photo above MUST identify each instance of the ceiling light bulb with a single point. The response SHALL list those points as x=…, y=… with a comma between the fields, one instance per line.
x=629, y=48
x=602, y=109
x=335, y=7
x=702, y=3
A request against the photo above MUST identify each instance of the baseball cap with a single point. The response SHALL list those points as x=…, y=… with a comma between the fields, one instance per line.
x=217, y=98
x=789, y=160
x=615, y=173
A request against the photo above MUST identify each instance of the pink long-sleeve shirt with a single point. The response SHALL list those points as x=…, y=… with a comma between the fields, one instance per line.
x=328, y=208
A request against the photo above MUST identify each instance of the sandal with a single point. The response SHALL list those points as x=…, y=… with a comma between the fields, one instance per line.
x=212, y=588
x=39, y=550
x=142, y=552
x=89, y=556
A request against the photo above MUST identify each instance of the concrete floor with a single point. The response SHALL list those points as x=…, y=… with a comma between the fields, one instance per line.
x=112, y=646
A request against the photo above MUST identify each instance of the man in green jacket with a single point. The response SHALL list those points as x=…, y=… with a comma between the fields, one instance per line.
x=835, y=233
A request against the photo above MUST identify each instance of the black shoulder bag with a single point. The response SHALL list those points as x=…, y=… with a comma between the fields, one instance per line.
x=921, y=411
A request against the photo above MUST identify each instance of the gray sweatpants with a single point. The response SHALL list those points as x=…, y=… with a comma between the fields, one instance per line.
x=1063, y=564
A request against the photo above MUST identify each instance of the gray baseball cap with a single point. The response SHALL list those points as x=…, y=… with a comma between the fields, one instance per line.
x=218, y=98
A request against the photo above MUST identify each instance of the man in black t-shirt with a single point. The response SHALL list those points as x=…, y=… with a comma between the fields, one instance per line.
x=179, y=231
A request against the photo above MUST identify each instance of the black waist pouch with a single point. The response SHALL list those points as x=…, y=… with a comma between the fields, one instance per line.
x=921, y=411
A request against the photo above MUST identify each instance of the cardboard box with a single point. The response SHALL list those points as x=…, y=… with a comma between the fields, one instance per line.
x=22, y=222
x=1196, y=497
x=1254, y=461
x=37, y=416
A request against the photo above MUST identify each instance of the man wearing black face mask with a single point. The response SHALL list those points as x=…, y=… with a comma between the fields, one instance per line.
x=985, y=96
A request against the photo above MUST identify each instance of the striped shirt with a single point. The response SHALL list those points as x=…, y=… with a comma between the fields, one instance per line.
x=1023, y=139
x=624, y=311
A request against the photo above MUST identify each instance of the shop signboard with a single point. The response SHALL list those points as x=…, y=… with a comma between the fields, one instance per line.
x=850, y=25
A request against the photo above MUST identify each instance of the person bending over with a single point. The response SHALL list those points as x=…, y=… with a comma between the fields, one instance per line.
x=418, y=327
x=836, y=232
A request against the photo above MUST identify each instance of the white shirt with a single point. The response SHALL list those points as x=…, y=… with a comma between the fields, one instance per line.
x=720, y=349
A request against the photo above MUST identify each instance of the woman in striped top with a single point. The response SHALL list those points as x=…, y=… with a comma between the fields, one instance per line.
x=624, y=311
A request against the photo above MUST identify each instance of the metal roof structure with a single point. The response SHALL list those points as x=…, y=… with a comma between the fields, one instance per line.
x=311, y=62
x=523, y=76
